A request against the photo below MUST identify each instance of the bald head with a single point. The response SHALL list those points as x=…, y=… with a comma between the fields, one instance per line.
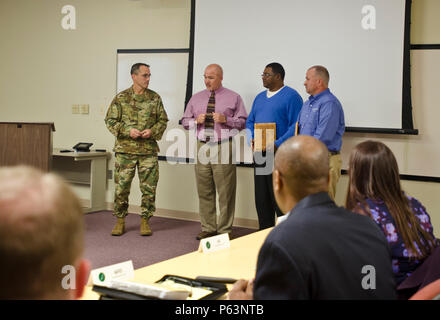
x=213, y=77
x=215, y=68
x=303, y=165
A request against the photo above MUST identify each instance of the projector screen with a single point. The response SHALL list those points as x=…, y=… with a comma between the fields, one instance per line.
x=360, y=42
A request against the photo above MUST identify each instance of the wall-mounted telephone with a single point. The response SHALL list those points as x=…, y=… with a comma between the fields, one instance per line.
x=82, y=146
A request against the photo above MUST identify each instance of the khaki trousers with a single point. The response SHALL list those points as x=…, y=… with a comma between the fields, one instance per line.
x=212, y=178
x=335, y=163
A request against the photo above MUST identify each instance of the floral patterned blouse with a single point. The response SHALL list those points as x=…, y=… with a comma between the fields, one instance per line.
x=403, y=264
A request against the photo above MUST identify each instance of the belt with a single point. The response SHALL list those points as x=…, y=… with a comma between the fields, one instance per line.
x=333, y=153
x=218, y=142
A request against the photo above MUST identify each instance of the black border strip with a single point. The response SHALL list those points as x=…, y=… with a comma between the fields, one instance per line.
x=188, y=160
x=419, y=178
x=382, y=130
x=176, y=159
x=407, y=114
x=425, y=47
x=170, y=50
x=190, y=76
x=410, y=177
x=407, y=177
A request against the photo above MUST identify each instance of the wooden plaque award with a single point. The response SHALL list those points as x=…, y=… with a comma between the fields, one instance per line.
x=264, y=136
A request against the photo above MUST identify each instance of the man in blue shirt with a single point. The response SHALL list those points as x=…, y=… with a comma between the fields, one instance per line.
x=322, y=117
x=278, y=104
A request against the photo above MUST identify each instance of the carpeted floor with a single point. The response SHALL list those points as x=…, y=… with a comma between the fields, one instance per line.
x=171, y=238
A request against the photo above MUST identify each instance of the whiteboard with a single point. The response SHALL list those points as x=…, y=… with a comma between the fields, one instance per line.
x=365, y=65
x=169, y=72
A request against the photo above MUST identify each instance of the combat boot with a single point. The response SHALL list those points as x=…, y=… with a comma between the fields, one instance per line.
x=119, y=228
x=145, y=228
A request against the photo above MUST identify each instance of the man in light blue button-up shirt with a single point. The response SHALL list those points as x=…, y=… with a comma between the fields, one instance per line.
x=322, y=117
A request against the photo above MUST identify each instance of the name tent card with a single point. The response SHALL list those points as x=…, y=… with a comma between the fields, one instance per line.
x=119, y=271
x=214, y=243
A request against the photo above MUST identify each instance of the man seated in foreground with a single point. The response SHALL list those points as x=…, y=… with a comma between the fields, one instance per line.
x=41, y=237
x=320, y=251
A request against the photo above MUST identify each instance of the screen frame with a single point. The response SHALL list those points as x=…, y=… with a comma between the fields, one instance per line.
x=407, y=124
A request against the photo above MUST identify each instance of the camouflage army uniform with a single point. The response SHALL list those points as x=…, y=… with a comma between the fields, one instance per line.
x=140, y=111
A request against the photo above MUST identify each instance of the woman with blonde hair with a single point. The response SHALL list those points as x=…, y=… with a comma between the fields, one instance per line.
x=374, y=190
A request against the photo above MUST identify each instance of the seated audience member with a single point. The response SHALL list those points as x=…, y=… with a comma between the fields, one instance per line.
x=41, y=237
x=320, y=251
x=374, y=190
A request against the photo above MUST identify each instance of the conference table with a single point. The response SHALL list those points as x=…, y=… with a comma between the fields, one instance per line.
x=238, y=261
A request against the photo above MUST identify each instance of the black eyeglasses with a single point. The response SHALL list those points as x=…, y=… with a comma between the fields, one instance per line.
x=265, y=75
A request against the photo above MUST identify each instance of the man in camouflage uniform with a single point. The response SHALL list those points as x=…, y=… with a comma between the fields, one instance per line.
x=137, y=118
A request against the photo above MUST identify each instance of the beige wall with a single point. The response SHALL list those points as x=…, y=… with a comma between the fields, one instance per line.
x=426, y=25
x=45, y=70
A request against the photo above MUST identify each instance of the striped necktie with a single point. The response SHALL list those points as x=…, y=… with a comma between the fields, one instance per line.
x=209, y=120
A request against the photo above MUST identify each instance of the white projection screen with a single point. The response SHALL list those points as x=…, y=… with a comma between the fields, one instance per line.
x=361, y=42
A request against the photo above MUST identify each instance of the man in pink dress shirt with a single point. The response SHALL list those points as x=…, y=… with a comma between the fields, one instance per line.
x=219, y=114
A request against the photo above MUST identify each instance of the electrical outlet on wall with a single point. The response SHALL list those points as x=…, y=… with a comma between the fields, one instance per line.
x=75, y=108
x=84, y=108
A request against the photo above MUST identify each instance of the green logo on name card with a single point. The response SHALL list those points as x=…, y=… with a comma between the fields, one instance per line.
x=208, y=245
x=101, y=276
